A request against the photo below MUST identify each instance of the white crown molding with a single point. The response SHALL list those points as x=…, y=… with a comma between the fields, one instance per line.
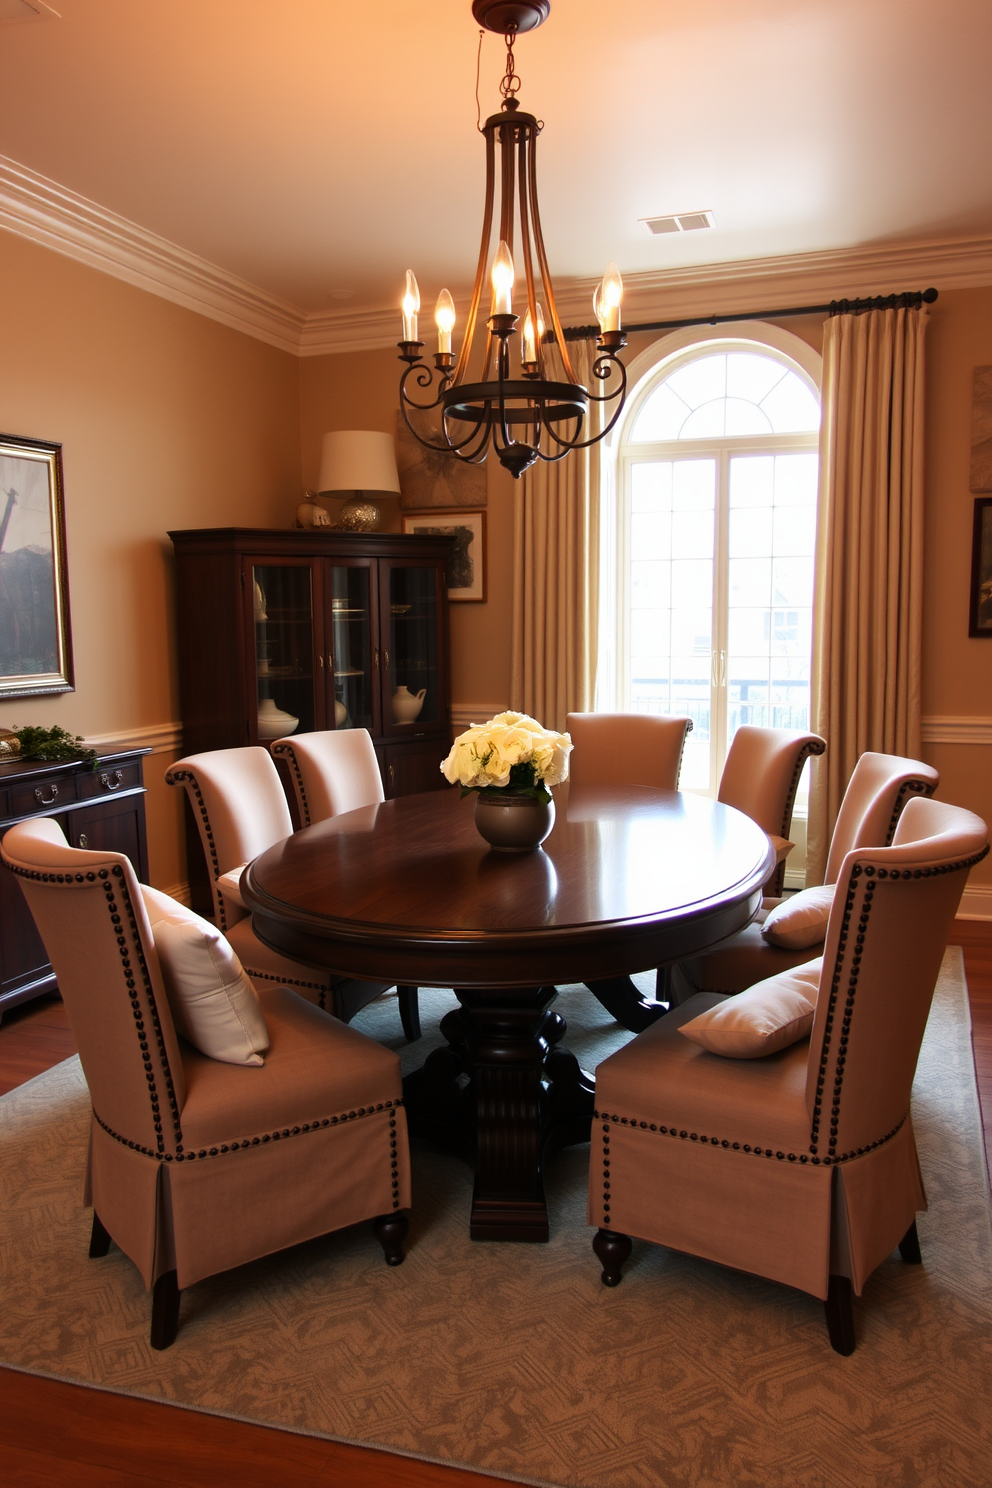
x=35, y=207
x=160, y=738
x=939, y=729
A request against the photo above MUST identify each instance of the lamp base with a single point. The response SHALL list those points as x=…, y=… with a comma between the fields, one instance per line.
x=358, y=514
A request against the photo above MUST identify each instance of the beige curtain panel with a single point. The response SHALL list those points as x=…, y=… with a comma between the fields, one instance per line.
x=556, y=577
x=867, y=607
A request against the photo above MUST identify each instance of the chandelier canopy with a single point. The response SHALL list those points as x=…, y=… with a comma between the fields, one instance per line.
x=510, y=385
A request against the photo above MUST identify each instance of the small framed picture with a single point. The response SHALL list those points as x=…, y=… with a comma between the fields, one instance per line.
x=981, y=569
x=467, y=564
x=35, y=642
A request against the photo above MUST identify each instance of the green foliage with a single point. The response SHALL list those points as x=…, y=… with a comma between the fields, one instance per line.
x=523, y=782
x=53, y=744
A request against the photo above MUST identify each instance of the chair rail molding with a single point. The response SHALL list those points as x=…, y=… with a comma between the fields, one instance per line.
x=464, y=715
x=950, y=729
x=36, y=207
x=160, y=738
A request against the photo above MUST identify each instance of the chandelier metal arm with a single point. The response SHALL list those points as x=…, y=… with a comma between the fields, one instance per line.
x=480, y=273
x=425, y=379
x=542, y=258
x=619, y=393
x=525, y=241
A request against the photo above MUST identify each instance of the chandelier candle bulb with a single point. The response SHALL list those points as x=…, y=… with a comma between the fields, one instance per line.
x=444, y=319
x=411, y=304
x=608, y=299
x=532, y=343
x=502, y=278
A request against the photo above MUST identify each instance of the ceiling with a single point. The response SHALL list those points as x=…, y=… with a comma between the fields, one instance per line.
x=318, y=149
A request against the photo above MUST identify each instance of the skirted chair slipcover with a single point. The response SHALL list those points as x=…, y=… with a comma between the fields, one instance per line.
x=240, y=809
x=878, y=790
x=802, y=1166
x=333, y=771
x=196, y=1166
x=760, y=778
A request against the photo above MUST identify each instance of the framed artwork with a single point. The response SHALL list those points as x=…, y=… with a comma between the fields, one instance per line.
x=35, y=641
x=431, y=478
x=981, y=569
x=981, y=429
x=467, y=564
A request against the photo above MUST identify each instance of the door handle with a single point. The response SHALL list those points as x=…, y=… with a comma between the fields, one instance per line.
x=385, y=660
x=320, y=661
x=723, y=668
x=375, y=658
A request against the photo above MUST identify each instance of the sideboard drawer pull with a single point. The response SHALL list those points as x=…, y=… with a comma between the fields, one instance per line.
x=84, y=841
x=111, y=779
x=41, y=798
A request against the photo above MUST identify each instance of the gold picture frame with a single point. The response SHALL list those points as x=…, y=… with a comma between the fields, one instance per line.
x=467, y=563
x=35, y=635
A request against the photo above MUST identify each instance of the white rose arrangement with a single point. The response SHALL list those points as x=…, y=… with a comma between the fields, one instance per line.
x=511, y=752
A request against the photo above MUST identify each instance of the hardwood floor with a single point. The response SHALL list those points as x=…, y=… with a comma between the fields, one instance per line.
x=55, y=1433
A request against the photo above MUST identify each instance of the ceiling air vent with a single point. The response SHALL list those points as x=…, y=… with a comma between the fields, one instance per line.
x=680, y=222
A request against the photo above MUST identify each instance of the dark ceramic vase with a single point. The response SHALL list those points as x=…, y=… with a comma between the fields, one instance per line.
x=511, y=823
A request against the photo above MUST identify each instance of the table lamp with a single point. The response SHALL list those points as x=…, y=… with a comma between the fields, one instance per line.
x=362, y=463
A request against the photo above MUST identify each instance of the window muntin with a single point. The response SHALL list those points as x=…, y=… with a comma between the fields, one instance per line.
x=727, y=394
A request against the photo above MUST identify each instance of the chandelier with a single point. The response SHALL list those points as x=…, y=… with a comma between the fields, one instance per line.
x=510, y=385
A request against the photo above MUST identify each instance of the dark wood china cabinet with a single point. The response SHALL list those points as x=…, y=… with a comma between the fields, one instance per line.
x=290, y=631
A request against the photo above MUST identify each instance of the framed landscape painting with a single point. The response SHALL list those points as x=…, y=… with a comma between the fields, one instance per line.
x=467, y=563
x=981, y=569
x=35, y=642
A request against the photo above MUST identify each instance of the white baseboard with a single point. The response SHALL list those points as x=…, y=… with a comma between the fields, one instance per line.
x=976, y=903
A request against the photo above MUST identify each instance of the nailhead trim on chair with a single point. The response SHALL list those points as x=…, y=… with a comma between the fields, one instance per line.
x=746, y=1148
x=678, y=772
x=394, y=1160
x=274, y=1136
x=284, y=981
x=287, y=751
x=181, y=777
x=813, y=747
x=907, y=789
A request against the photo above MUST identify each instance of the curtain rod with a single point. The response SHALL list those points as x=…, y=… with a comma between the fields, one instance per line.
x=909, y=300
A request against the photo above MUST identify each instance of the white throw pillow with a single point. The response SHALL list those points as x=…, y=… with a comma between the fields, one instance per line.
x=801, y=920
x=769, y=1016
x=213, y=1003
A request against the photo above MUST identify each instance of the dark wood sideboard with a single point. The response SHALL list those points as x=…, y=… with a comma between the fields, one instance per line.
x=103, y=809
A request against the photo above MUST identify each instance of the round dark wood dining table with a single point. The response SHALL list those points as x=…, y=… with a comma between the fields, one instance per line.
x=408, y=892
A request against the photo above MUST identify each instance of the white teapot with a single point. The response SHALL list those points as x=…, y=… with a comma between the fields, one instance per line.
x=407, y=705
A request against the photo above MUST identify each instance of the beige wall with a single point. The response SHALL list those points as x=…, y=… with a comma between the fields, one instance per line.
x=166, y=419
x=957, y=671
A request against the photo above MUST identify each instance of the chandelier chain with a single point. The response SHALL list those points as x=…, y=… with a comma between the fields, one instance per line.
x=510, y=86
x=478, y=70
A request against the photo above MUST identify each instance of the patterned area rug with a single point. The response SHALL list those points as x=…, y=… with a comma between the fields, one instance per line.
x=514, y=1359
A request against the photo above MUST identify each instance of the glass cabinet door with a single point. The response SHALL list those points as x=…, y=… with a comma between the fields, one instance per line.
x=413, y=678
x=351, y=648
x=282, y=605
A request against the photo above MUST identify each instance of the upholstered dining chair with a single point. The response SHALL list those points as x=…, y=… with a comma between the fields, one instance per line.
x=198, y=1165
x=626, y=748
x=333, y=771
x=760, y=777
x=240, y=809
x=790, y=932
x=799, y=1166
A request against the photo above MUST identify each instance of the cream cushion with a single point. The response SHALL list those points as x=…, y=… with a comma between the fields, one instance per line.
x=767, y=1017
x=213, y=1003
x=801, y=920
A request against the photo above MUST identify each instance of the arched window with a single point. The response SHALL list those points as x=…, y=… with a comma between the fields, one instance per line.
x=715, y=530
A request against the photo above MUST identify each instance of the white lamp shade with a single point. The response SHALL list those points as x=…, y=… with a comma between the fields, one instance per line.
x=358, y=460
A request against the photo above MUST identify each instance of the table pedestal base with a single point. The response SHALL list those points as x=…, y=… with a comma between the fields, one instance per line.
x=503, y=1096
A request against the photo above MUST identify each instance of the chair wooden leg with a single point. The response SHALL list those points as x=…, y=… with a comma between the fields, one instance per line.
x=99, y=1239
x=612, y=1249
x=839, y=1308
x=165, y=1311
x=909, y=1247
x=409, y=1012
x=391, y=1230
